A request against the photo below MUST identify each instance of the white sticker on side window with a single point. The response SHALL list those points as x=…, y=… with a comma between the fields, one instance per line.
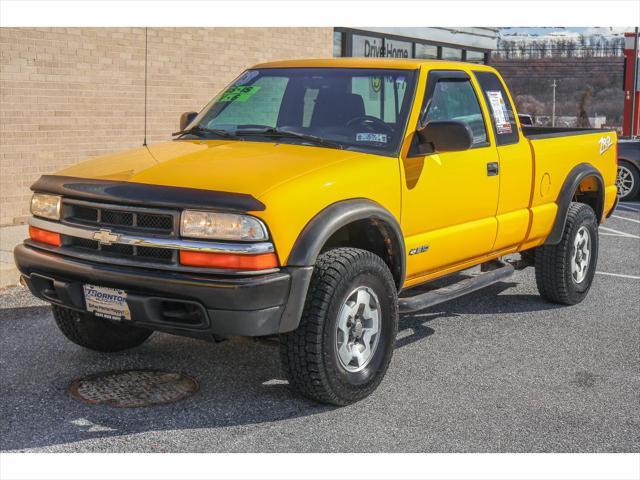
x=371, y=137
x=499, y=110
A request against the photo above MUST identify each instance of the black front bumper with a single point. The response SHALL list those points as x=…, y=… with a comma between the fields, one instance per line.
x=180, y=303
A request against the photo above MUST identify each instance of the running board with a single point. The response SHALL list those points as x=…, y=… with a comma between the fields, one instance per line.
x=497, y=271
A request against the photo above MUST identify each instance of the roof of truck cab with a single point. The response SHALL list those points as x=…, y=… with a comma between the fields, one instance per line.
x=355, y=62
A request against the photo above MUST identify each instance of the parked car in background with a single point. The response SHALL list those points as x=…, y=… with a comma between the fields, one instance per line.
x=628, y=179
x=525, y=119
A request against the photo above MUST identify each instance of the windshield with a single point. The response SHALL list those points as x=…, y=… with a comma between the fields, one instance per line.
x=354, y=109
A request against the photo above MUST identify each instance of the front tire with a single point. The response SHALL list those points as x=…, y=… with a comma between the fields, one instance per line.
x=342, y=348
x=564, y=272
x=97, y=334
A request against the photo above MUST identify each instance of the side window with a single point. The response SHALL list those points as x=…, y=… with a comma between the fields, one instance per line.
x=456, y=100
x=502, y=112
x=260, y=105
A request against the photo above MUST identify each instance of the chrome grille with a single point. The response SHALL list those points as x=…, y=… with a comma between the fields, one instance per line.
x=132, y=252
x=122, y=246
x=130, y=218
x=84, y=214
x=116, y=217
x=156, y=222
x=154, y=252
x=122, y=219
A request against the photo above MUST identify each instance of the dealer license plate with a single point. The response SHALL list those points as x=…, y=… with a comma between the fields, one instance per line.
x=108, y=303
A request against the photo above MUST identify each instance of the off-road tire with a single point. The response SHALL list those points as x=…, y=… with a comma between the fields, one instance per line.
x=308, y=354
x=97, y=334
x=553, y=262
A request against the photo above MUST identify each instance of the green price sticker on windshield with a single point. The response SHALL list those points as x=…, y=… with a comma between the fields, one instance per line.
x=239, y=94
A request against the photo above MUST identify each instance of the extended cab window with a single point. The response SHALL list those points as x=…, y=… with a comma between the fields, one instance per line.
x=456, y=100
x=502, y=116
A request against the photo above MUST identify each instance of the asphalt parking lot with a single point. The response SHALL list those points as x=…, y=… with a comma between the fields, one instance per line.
x=497, y=371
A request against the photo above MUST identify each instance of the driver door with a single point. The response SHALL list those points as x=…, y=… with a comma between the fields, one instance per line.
x=450, y=199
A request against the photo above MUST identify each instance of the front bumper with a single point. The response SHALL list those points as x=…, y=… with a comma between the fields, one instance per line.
x=181, y=303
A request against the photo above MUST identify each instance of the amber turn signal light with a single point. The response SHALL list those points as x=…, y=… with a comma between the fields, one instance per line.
x=45, y=236
x=262, y=261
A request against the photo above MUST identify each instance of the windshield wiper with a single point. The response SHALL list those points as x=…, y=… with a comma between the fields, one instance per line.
x=277, y=132
x=201, y=131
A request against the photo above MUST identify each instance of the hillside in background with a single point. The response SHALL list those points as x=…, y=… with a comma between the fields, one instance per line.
x=592, y=84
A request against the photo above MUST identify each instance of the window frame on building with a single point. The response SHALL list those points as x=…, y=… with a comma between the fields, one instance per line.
x=346, y=35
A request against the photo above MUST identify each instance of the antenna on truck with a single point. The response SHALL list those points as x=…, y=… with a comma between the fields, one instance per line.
x=144, y=141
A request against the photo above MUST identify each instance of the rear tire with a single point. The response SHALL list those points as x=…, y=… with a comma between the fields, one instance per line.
x=564, y=272
x=334, y=356
x=97, y=334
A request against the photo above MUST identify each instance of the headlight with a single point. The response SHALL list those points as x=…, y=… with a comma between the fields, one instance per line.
x=221, y=226
x=47, y=206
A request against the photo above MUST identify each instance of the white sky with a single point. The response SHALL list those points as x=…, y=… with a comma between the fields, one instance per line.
x=607, y=31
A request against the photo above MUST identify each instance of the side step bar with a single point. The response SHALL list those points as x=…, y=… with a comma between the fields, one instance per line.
x=493, y=272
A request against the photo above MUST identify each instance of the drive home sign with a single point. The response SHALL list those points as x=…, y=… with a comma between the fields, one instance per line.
x=380, y=47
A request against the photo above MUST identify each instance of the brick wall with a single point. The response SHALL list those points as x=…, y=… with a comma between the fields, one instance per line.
x=67, y=94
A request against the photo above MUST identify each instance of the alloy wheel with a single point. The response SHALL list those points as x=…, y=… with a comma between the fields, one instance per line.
x=358, y=329
x=580, y=255
x=624, y=181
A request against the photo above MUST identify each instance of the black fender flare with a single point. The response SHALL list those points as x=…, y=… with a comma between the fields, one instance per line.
x=567, y=192
x=314, y=235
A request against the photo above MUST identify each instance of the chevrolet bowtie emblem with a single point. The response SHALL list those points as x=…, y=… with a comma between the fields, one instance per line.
x=105, y=237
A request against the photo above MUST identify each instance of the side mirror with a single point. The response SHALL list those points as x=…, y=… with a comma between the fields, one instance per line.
x=444, y=136
x=186, y=118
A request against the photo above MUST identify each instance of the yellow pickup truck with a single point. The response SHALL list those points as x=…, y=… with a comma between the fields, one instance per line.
x=305, y=201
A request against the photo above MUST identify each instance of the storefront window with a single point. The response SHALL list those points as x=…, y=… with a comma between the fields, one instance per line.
x=475, y=57
x=337, y=44
x=374, y=47
x=451, y=53
x=426, y=51
x=360, y=43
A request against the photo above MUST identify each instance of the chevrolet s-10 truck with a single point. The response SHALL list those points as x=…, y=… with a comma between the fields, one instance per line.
x=305, y=201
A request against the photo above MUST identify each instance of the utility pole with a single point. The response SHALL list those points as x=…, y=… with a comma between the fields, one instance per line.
x=553, y=111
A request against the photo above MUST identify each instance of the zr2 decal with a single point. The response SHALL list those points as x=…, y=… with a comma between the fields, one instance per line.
x=605, y=144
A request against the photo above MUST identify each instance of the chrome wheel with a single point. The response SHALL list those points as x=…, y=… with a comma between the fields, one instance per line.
x=358, y=329
x=580, y=255
x=624, y=181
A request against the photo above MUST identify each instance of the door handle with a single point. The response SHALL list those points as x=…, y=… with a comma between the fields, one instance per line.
x=492, y=169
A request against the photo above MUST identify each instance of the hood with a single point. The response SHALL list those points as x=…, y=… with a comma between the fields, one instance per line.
x=246, y=167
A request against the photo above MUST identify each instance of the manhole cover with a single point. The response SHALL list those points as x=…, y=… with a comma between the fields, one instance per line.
x=133, y=388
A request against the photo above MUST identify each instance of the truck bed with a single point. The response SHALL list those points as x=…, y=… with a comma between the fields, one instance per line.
x=556, y=152
x=533, y=133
